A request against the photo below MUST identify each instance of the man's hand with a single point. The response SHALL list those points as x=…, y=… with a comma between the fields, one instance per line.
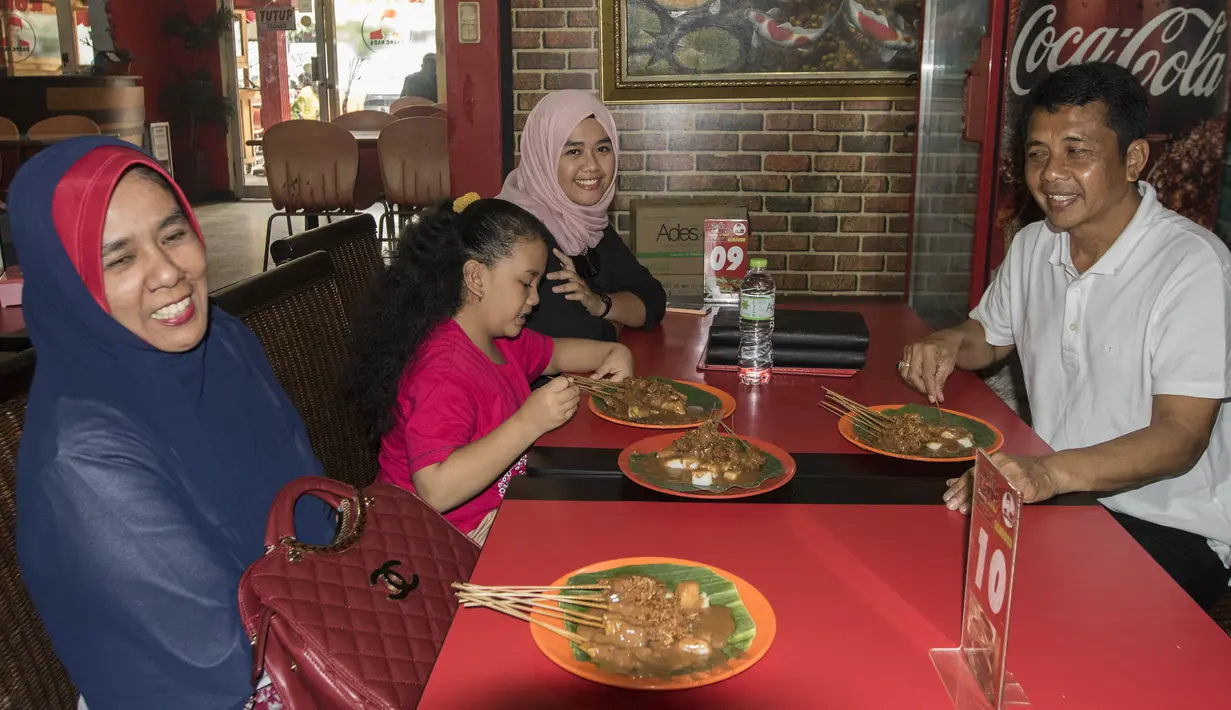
x=927, y=364
x=1032, y=477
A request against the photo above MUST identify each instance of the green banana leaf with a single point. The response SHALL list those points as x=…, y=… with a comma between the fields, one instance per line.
x=704, y=401
x=643, y=465
x=721, y=592
x=984, y=437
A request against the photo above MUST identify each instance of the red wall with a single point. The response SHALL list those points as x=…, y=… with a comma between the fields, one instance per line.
x=137, y=27
x=473, y=79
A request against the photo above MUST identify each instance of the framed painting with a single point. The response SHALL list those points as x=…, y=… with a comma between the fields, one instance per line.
x=664, y=51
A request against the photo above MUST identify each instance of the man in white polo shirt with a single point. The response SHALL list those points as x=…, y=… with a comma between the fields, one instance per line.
x=1120, y=310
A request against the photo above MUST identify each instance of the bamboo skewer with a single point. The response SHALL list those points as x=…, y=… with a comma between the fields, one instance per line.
x=499, y=606
x=874, y=425
x=468, y=586
x=747, y=446
x=527, y=602
x=540, y=608
x=862, y=416
x=605, y=390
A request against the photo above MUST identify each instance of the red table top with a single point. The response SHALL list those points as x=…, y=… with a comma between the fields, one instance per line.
x=861, y=594
x=786, y=412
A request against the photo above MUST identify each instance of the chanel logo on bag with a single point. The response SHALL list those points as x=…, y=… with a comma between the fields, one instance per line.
x=398, y=586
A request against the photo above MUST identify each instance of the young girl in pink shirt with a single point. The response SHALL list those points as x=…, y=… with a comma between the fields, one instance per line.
x=442, y=364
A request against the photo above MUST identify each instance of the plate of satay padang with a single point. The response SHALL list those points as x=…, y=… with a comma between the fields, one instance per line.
x=912, y=431
x=655, y=402
x=708, y=461
x=645, y=623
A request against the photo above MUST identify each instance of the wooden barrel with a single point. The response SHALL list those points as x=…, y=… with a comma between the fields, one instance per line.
x=115, y=103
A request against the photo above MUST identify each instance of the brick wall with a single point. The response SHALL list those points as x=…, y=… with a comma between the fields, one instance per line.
x=827, y=183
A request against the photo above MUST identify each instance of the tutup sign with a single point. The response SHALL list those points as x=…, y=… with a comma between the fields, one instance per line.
x=275, y=18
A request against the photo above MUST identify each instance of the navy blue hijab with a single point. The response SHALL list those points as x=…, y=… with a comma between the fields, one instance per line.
x=144, y=478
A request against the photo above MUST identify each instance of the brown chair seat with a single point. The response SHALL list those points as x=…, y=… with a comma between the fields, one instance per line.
x=57, y=127
x=364, y=120
x=409, y=101
x=414, y=166
x=296, y=312
x=352, y=245
x=311, y=167
x=416, y=111
x=31, y=675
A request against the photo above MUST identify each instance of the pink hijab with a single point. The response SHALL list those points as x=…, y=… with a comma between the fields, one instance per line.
x=534, y=184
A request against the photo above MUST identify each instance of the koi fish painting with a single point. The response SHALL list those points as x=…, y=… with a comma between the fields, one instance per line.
x=692, y=49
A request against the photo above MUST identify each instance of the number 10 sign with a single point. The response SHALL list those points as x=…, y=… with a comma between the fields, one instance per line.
x=995, y=521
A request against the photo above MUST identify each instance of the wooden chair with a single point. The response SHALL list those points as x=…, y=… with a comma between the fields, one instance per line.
x=443, y=106
x=351, y=244
x=31, y=675
x=297, y=314
x=417, y=111
x=311, y=167
x=8, y=131
x=364, y=120
x=409, y=101
x=60, y=127
x=414, y=166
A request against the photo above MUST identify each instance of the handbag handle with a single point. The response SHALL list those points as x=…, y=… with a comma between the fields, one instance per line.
x=280, y=527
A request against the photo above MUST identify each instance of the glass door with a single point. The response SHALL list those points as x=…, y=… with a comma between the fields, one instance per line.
x=341, y=56
x=373, y=47
x=947, y=164
x=43, y=37
x=278, y=76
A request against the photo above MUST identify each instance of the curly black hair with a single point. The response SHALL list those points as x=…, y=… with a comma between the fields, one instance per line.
x=419, y=290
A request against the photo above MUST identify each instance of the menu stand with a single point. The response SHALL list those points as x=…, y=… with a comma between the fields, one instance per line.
x=974, y=673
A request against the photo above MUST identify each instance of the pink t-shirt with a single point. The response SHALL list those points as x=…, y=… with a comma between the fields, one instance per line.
x=453, y=395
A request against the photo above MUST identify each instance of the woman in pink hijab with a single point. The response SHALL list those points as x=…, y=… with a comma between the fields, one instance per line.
x=567, y=178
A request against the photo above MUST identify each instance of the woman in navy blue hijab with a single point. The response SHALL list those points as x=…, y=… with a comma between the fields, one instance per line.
x=156, y=436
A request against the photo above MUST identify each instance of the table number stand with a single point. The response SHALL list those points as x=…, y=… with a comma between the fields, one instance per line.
x=726, y=260
x=975, y=673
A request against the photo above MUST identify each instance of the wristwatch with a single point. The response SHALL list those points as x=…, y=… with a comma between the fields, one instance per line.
x=606, y=304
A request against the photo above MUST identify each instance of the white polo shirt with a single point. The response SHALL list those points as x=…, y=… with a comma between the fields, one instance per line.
x=1152, y=316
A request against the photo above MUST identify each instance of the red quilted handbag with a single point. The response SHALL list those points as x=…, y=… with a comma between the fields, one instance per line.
x=355, y=624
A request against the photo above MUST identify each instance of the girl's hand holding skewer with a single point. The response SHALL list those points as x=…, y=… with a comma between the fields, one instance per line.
x=550, y=406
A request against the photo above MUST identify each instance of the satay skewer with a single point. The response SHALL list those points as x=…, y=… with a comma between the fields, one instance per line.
x=552, y=612
x=497, y=605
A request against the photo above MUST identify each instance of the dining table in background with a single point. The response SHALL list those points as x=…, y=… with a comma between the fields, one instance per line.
x=859, y=559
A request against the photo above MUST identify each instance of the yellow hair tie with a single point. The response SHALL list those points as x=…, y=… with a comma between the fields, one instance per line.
x=465, y=201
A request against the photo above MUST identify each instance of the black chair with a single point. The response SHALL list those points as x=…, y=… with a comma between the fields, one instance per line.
x=296, y=312
x=31, y=675
x=352, y=245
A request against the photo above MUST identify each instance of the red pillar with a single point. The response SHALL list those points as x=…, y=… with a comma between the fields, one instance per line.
x=475, y=110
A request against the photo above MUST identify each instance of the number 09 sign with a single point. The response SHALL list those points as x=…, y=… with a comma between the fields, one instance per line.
x=726, y=258
x=995, y=519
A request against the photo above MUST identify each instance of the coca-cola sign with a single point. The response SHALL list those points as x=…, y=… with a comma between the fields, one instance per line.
x=1191, y=69
x=1178, y=50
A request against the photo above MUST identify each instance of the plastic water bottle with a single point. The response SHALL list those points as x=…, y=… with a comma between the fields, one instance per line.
x=756, y=325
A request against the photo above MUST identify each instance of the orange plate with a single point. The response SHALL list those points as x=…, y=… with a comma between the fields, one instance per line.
x=662, y=441
x=728, y=406
x=558, y=650
x=846, y=427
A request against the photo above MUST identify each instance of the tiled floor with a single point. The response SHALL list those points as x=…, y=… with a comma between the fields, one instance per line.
x=235, y=235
